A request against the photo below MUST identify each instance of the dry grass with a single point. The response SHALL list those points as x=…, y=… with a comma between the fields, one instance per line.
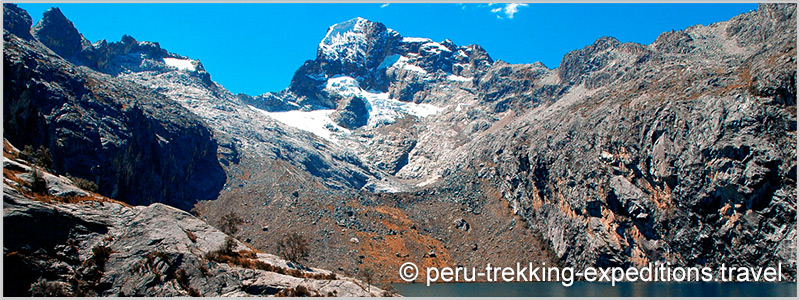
x=248, y=259
x=192, y=237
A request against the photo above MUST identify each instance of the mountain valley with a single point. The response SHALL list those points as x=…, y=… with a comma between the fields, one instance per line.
x=386, y=149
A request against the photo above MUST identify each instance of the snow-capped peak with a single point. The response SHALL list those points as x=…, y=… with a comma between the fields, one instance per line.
x=346, y=40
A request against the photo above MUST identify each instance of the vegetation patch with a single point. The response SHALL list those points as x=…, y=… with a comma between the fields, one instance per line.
x=247, y=259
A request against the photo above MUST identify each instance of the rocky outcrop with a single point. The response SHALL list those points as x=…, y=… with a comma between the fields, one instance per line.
x=136, y=144
x=352, y=113
x=58, y=34
x=81, y=244
x=17, y=21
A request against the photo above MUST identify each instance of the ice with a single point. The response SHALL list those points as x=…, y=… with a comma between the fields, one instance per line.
x=381, y=108
x=343, y=85
x=179, y=63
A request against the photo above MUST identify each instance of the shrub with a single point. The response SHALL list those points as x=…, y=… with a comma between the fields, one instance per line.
x=293, y=247
x=40, y=157
x=27, y=153
x=225, y=252
x=301, y=291
x=44, y=288
x=367, y=275
x=43, y=158
x=101, y=254
x=230, y=223
x=84, y=184
x=247, y=254
x=249, y=259
x=298, y=291
x=38, y=184
x=228, y=246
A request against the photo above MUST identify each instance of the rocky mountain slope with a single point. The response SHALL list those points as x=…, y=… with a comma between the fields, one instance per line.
x=72, y=242
x=681, y=151
x=137, y=145
x=387, y=149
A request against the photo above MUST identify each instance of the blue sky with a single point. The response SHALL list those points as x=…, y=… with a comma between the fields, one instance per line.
x=255, y=48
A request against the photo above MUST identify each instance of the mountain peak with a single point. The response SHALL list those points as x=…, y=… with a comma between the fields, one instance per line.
x=355, y=26
x=58, y=33
x=357, y=42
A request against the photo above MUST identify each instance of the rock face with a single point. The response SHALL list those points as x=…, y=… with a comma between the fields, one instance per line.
x=137, y=145
x=98, y=247
x=17, y=21
x=352, y=114
x=656, y=153
x=58, y=34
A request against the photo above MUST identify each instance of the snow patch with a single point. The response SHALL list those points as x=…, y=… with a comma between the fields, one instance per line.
x=415, y=68
x=458, y=78
x=317, y=122
x=434, y=47
x=399, y=61
x=179, y=63
x=343, y=85
x=415, y=40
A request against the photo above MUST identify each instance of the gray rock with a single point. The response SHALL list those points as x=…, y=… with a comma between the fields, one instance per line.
x=17, y=20
x=352, y=113
x=461, y=224
x=58, y=34
x=155, y=250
